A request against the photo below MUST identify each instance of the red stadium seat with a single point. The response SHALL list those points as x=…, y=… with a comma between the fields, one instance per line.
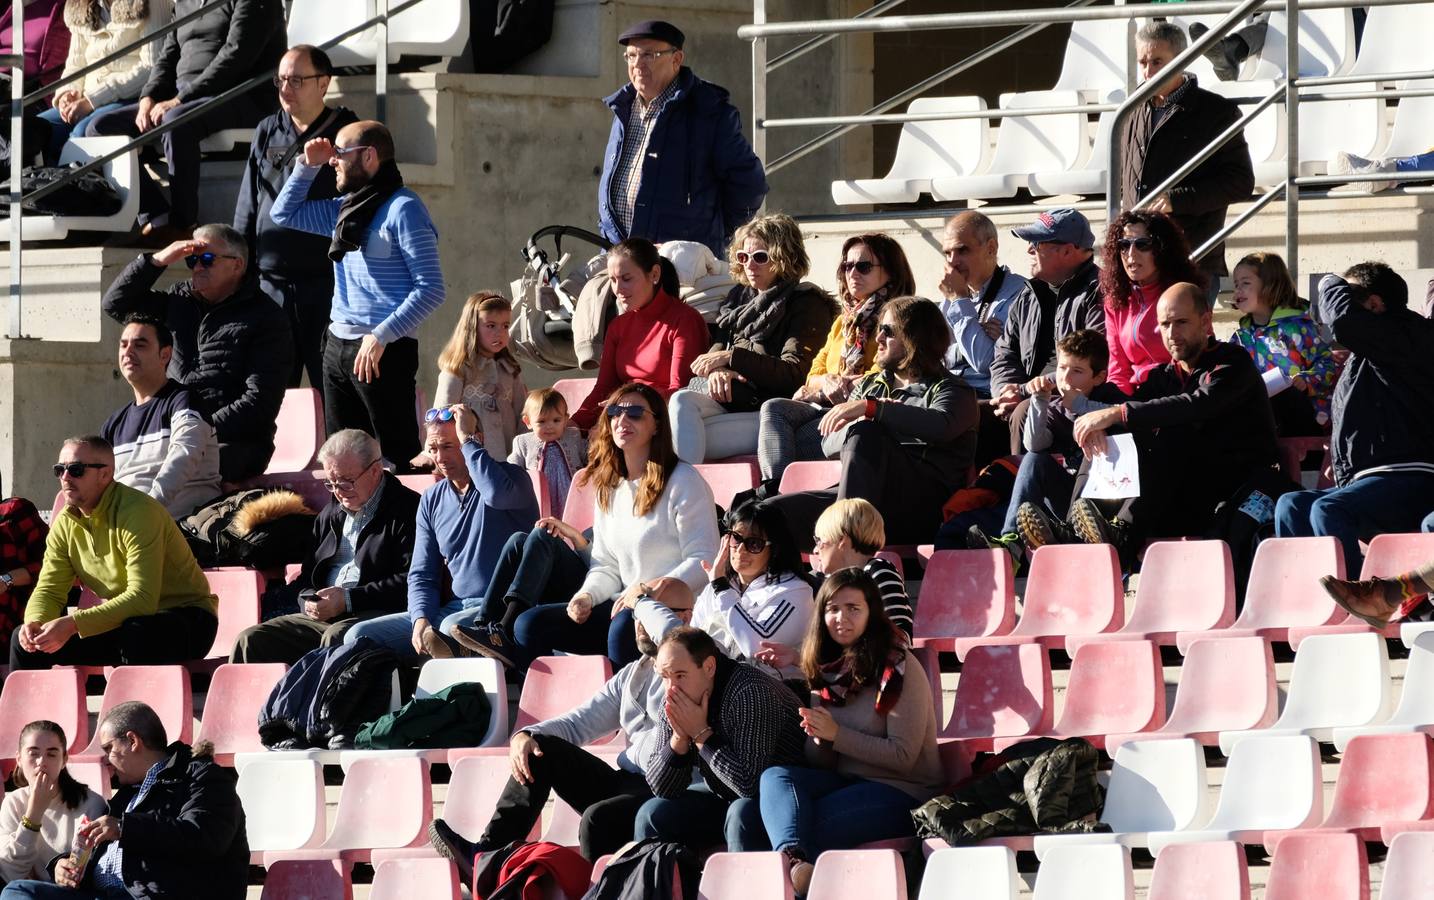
x=1409, y=867
x=54, y=694
x=1328, y=866
x=401, y=879
x=307, y=879
x=554, y=685
x=1003, y=692
x=1115, y=688
x=727, y=480
x=745, y=876
x=581, y=507
x=859, y=875
x=1284, y=591
x=1212, y=871
x=385, y=802
x=574, y=391
x=164, y=688
x=965, y=594
x=237, y=692
x=810, y=475
x=418, y=482
x=563, y=826
x=239, y=592
x=300, y=431
x=91, y=774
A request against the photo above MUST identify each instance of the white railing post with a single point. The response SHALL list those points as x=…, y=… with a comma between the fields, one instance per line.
x=1292, y=138
x=17, y=148
x=759, y=84
x=380, y=65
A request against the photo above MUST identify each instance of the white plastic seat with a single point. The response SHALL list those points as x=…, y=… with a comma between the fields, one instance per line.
x=317, y=21
x=1271, y=784
x=1265, y=134
x=226, y=140
x=284, y=804
x=438, y=674
x=1416, y=701
x=1155, y=786
x=1413, y=129
x=1339, y=680
x=1395, y=39
x=1024, y=144
x=1409, y=867
x=1090, y=177
x=971, y=873
x=1326, y=42
x=1330, y=126
x=122, y=172
x=1086, y=872
x=432, y=28
x=1096, y=57
x=925, y=150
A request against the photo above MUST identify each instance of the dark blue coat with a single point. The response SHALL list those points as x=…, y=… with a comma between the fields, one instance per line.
x=700, y=178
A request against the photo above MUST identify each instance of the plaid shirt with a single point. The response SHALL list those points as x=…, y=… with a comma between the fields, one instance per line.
x=627, y=178
x=22, y=546
x=109, y=868
x=1158, y=113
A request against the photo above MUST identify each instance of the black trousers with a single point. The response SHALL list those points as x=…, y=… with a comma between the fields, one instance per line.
x=168, y=636
x=607, y=798
x=383, y=407
x=307, y=300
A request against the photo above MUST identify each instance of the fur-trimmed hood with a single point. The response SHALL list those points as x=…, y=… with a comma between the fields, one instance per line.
x=85, y=14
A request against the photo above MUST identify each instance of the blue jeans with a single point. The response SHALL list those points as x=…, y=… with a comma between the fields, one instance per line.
x=1393, y=502
x=816, y=810
x=544, y=630
x=1424, y=162
x=46, y=890
x=1042, y=481
x=534, y=568
x=700, y=819
x=60, y=130
x=396, y=631
x=1428, y=524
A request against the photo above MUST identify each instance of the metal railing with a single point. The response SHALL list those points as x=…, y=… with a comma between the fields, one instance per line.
x=1291, y=90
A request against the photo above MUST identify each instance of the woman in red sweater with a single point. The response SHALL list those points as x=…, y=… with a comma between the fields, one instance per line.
x=655, y=339
x=1144, y=253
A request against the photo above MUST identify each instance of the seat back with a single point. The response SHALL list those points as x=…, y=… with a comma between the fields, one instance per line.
x=237, y=692
x=727, y=480
x=434, y=28
x=307, y=879
x=971, y=873
x=1184, y=586
x=556, y=684
x=386, y=802
x=1393, y=40
x=164, y=688
x=1086, y=872
x=1226, y=684
x=1325, y=40
x=1209, y=870
x=745, y=876
x=438, y=674
x=122, y=172
x=317, y=21
x=1394, y=554
x=966, y=593
x=1413, y=129
x=418, y=483
x=55, y=694
x=581, y=507
x=1265, y=134
x=1271, y=782
x=473, y=790
x=92, y=775
x=574, y=391
x=1072, y=589
x=1338, y=680
x=1328, y=866
x=300, y=431
x=401, y=879
x=239, y=592
x=810, y=475
x=925, y=150
x=1157, y=786
x=284, y=804
x=859, y=875
x=1039, y=143
x=1003, y=691
x=1416, y=699
x=1409, y=867
x=1383, y=778
x=1095, y=57
x=1355, y=125
x=1284, y=585
x=1116, y=687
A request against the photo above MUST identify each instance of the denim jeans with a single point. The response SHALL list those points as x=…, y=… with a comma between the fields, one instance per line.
x=544, y=630
x=1042, y=481
x=700, y=819
x=1391, y=502
x=534, y=568
x=48, y=890
x=396, y=631
x=60, y=130
x=816, y=810
x=1424, y=162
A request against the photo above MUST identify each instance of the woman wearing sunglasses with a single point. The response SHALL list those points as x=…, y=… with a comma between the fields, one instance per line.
x=872, y=271
x=766, y=334
x=656, y=337
x=1144, y=253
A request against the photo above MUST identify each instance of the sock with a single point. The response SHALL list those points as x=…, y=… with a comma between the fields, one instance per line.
x=515, y=609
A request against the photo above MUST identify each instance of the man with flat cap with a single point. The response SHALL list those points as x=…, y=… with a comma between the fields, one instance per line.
x=677, y=166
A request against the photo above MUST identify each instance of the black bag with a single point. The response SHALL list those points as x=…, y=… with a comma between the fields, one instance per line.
x=286, y=534
x=505, y=31
x=1247, y=518
x=91, y=194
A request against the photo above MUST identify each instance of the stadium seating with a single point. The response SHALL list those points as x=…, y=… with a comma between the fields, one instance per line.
x=300, y=431
x=924, y=150
x=164, y=688
x=1328, y=866
x=1409, y=867
x=1416, y=700
x=122, y=172
x=55, y=694
x=859, y=875
x=971, y=873
x=284, y=804
x=727, y=480
x=574, y=391
x=553, y=686
x=1089, y=177
x=1096, y=59
x=581, y=507
x=1215, y=870
x=1003, y=692
x=307, y=879
x=1024, y=144
x=435, y=28
x=1411, y=133
x=964, y=594
x=810, y=475
x=1114, y=688
x=745, y=876
x=1080, y=872
x=1283, y=593
x=93, y=775
x=400, y=879
x=237, y=692
x=239, y=592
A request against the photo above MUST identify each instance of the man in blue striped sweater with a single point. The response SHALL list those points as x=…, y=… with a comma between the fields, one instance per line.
x=387, y=280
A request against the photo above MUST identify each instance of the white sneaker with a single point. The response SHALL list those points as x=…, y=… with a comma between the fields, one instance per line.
x=1349, y=164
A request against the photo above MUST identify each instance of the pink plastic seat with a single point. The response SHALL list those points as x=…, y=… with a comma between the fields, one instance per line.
x=554, y=685
x=965, y=594
x=1284, y=592
x=307, y=879
x=474, y=786
x=810, y=475
x=1225, y=684
x=1211, y=871
x=1324, y=865
x=564, y=824
x=54, y=694
x=385, y=802
x=239, y=592
x=1072, y=589
x=164, y=688
x=401, y=879
x=237, y=692
x=745, y=876
x=1184, y=586
x=419, y=482
x=93, y=775
x=574, y=391
x=727, y=480
x=581, y=507
x=1003, y=692
x=859, y=875
x=1409, y=867
x=1114, y=688
x=300, y=431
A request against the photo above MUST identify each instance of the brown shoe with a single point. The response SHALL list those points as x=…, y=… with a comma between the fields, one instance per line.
x=1374, y=601
x=801, y=875
x=440, y=646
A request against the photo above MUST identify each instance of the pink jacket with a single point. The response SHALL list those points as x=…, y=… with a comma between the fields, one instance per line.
x=1134, y=337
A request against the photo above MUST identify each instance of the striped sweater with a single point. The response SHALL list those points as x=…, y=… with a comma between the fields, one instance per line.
x=395, y=283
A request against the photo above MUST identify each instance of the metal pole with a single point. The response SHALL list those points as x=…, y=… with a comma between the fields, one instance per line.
x=17, y=155
x=1210, y=150
x=1292, y=140
x=759, y=85
x=806, y=47
x=380, y=73
x=902, y=118
x=1199, y=252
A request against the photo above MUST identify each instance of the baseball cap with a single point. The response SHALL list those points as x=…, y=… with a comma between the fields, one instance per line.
x=1064, y=226
x=655, y=29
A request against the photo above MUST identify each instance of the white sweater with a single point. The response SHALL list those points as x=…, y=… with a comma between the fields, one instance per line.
x=27, y=854
x=124, y=78
x=675, y=537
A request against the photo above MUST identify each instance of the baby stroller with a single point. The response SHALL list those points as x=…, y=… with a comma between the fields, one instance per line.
x=560, y=311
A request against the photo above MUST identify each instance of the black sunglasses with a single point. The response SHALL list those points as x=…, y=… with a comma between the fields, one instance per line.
x=885, y=330
x=862, y=268
x=750, y=544
x=760, y=257
x=1143, y=244
x=632, y=411
x=205, y=259
x=76, y=469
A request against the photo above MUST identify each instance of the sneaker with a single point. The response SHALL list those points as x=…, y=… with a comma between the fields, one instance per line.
x=1039, y=528
x=1349, y=164
x=801, y=875
x=1090, y=524
x=440, y=646
x=452, y=847
x=1374, y=600
x=977, y=539
x=493, y=641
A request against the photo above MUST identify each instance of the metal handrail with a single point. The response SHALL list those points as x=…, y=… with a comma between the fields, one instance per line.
x=806, y=47
x=902, y=118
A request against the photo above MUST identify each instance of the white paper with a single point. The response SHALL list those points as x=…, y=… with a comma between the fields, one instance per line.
x=1276, y=381
x=1116, y=475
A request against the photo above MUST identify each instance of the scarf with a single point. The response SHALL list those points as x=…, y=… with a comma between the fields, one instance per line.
x=357, y=210
x=755, y=320
x=838, y=681
x=859, y=326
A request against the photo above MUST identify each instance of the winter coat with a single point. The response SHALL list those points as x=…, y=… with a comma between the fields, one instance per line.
x=92, y=39
x=1152, y=152
x=456, y=716
x=1133, y=335
x=219, y=50
x=700, y=178
x=1038, y=785
x=530, y=871
x=647, y=869
x=44, y=44
x=236, y=354
x=935, y=420
x=777, y=366
x=328, y=696
x=1040, y=316
x=493, y=388
x=1291, y=343
x=383, y=550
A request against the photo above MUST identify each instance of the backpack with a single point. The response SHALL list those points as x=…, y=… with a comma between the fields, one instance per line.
x=326, y=697
x=259, y=528
x=1247, y=518
x=456, y=716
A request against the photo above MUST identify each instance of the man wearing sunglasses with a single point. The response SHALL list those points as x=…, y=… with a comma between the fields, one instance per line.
x=677, y=166
x=384, y=248
x=232, y=345
x=156, y=606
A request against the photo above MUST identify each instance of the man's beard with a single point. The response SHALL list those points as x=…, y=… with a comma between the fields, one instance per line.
x=646, y=646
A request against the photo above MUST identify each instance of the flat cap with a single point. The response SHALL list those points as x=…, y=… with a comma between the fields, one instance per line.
x=655, y=29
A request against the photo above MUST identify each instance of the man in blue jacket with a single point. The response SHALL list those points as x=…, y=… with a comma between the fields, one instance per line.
x=677, y=166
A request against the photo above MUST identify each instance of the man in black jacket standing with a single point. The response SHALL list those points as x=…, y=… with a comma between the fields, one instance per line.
x=175, y=829
x=231, y=343
x=358, y=569
x=200, y=60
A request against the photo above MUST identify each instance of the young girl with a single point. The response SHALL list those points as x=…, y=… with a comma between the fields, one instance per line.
x=476, y=368
x=552, y=448
x=1286, y=345
x=38, y=822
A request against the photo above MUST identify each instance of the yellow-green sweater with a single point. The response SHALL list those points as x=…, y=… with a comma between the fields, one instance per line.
x=129, y=552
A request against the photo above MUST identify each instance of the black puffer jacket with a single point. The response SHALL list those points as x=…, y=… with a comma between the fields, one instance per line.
x=220, y=49
x=1040, y=785
x=236, y=354
x=185, y=838
x=1039, y=317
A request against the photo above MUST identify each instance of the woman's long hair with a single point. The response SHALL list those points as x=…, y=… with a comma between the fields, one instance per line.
x=1172, y=255
x=607, y=466
x=462, y=347
x=72, y=793
x=891, y=257
x=868, y=654
x=919, y=324
x=644, y=255
x=767, y=521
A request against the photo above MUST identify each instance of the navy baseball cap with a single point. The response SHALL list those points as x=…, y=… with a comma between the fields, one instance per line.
x=1061, y=226
x=655, y=29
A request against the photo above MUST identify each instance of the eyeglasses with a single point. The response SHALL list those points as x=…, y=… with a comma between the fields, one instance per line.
x=76, y=469
x=1143, y=244
x=632, y=57
x=293, y=81
x=347, y=484
x=862, y=268
x=760, y=257
x=205, y=259
x=818, y=542
x=750, y=544
x=885, y=330
x=632, y=411
x=438, y=415
x=344, y=151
